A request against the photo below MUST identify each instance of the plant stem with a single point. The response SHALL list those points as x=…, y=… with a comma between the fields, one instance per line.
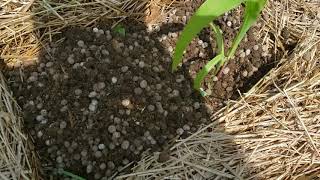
x=220, y=43
x=219, y=38
x=73, y=176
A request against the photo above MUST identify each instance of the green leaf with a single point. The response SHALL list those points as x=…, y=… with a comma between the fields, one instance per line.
x=219, y=38
x=252, y=11
x=69, y=174
x=208, y=11
x=206, y=69
x=120, y=30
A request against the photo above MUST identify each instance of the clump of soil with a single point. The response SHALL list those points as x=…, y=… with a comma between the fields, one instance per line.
x=97, y=100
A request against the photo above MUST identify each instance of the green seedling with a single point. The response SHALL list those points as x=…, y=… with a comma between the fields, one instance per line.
x=209, y=11
x=120, y=30
x=69, y=174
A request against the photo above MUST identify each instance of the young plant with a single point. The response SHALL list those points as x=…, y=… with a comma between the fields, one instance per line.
x=204, y=16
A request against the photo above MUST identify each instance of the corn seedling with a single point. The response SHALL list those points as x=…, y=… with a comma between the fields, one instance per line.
x=204, y=16
x=119, y=29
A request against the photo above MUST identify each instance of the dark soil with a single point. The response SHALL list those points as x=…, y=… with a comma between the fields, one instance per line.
x=94, y=102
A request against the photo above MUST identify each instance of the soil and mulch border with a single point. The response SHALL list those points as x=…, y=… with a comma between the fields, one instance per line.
x=294, y=83
x=271, y=132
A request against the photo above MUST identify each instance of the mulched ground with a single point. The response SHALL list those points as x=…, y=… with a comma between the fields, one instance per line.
x=96, y=100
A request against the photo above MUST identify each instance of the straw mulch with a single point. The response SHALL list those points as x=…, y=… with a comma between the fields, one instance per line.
x=273, y=131
x=16, y=162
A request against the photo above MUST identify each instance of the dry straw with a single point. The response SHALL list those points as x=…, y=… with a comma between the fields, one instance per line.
x=272, y=131
x=16, y=162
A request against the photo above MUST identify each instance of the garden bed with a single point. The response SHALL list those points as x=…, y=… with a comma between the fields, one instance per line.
x=98, y=99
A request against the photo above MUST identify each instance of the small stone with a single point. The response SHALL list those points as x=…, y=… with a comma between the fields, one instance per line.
x=84, y=153
x=32, y=79
x=151, y=107
x=124, y=69
x=242, y=55
x=105, y=52
x=248, y=51
x=95, y=30
x=125, y=145
x=98, y=154
x=93, y=105
x=44, y=121
x=44, y=112
x=112, y=129
x=196, y=105
x=215, y=79
x=186, y=127
x=111, y=146
x=102, y=166
x=78, y=92
x=63, y=125
x=226, y=70
x=245, y=73
x=152, y=141
x=39, y=118
x=49, y=64
x=89, y=169
x=255, y=47
x=137, y=91
x=125, y=161
x=101, y=146
x=175, y=93
x=201, y=54
x=39, y=106
x=39, y=134
x=92, y=94
x=229, y=23
x=70, y=60
x=205, y=45
x=135, y=78
x=59, y=159
x=111, y=165
x=180, y=131
x=66, y=144
x=114, y=80
x=101, y=85
x=141, y=64
x=125, y=102
x=101, y=31
x=47, y=142
x=158, y=86
x=143, y=84
x=64, y=102
x=80, y=43
x=116, y=135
